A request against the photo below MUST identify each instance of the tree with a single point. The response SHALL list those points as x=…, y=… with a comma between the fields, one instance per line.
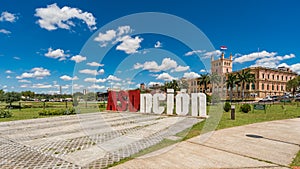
x=292, y=85
x=244, y=77
x=2, y=95
x=171, y=85
x=204, y=80
x=28, y=94
x=230, y=82
x=11, y=97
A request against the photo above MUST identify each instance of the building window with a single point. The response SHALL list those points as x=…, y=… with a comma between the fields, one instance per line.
x=286, y=78
x=263, y=76
x=267, y=87
x=253, y=86
x=268, y=76
x=247, y=86
x=277, y=87
x=277, y=77
x=227, y=70
x=273, y=77
x=290, y=78
x=281, y=88
x=281, y=77
x=263, y=86
x=272, y=87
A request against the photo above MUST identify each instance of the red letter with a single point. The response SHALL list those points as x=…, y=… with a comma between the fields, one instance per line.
x=111, y=101
x=122, y=97
x=134, y=100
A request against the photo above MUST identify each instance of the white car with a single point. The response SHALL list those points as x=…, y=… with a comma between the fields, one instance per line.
x=266, y=99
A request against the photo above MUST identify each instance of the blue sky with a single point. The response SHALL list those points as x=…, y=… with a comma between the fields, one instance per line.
x=85, y=45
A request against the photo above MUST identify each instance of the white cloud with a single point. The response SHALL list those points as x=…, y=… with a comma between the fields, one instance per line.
x=89, y=71
x=293, y=67
x=4, y=31
x=253, y=56
x=42, y=86
x=78, y=58
x=77, y=86
x=68, y=78
x=129, y=45
x=95, y=64
x=154, y=83
x=101, y=71
x=106, y=37
x=24, y=81
x=158, y=44
x=202, y=70
x=17, y=58
x=8, y=77
x=166, y=77
x=56, y=54
x=113, y=78
x=38, y=73
x=94, y=80
x=9, y=17
x=8, y=71
x=193, y=52
x=52, y=17
x=212, y=53
x=191, y=75
x=94, y=86
x=272, y=62
x=180, y=69
x=124, y=30
x=166, y=64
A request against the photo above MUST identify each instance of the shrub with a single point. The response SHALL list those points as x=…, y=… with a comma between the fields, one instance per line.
x=227, y=107
x=57, y=112
x=5, y=113
x=245, y=108
x=208, y=98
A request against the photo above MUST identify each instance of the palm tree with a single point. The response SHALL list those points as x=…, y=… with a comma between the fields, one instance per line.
x=230, y=82
x=245, y=77
x=293, y=85
x=204, y=80
x=171, y=85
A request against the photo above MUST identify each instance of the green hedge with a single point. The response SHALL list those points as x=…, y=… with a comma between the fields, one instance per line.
x=57, y=112
x=5, y=113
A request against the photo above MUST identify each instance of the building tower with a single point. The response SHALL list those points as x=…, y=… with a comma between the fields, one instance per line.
x=222, y=65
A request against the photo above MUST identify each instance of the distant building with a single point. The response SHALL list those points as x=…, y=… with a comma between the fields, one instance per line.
x=268, y=81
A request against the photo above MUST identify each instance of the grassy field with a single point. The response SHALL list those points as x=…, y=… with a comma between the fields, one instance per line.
x=296, y=161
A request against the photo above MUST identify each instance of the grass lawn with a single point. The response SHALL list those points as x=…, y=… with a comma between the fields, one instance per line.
x=296, y=161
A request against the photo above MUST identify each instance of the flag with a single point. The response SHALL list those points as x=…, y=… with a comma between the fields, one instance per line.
x=223, y=47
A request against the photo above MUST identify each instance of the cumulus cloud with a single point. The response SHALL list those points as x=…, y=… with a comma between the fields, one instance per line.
x=129, y=45
x=271, y=62
x=9, y=17
x=94, y=80
x=53, y=17
x=78, y=58
x=56, y=54
x=94, y=86
x=4, y=31
x=167, y=64
x=95, y=64
x=113, y=78
x=191, y=75
x=8, y=71
x=38, y=73
x=91, y=72
x=211, y=54
x=68, y=78
x=158, y=44
x=190, y=53
x=165, y=76
x=24, y=81
x=202, y=70
x=254, y=56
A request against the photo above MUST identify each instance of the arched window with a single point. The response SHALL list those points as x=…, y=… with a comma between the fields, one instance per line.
x=263, y=86
x=253, y=86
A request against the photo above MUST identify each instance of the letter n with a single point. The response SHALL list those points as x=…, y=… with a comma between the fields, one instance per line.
x=199, y=104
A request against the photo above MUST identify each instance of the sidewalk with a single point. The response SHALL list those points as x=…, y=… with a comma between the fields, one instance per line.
x=261, y=145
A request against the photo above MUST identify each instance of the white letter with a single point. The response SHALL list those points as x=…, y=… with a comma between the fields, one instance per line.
x=182, y=103
x=156, y=108
x=199, y=101
x=146, y=103
x=170, y=101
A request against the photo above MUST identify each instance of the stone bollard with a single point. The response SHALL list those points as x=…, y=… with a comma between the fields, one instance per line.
x=232, y=112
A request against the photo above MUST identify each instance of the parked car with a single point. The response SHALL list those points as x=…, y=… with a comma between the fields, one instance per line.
x=275, y=98
x=297, y=98
x=266, y=99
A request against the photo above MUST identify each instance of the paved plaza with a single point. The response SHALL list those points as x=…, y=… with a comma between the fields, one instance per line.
x=261, y=145
x=92, y=140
